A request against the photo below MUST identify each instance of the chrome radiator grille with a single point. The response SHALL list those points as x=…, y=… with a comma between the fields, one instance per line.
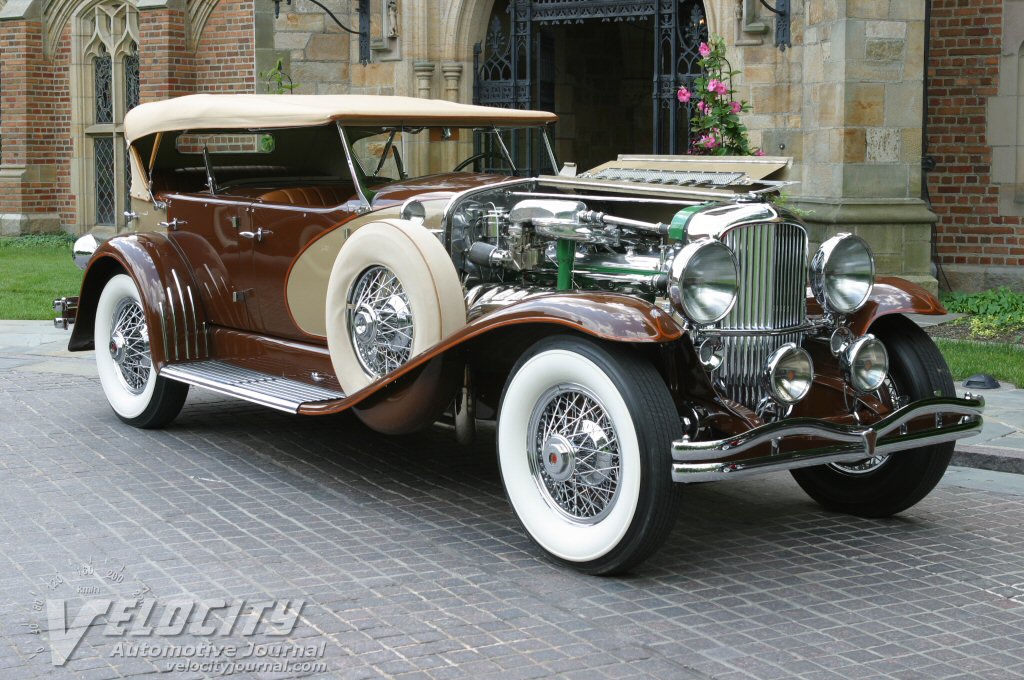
x=772, y=262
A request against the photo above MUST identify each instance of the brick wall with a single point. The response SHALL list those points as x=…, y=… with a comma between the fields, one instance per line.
x=225, y=55
x=963, y=68
x=36, y=124
x=165, y=65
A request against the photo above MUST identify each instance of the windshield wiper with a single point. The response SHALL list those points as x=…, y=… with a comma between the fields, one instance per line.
x=211, y=183
x=387, y=148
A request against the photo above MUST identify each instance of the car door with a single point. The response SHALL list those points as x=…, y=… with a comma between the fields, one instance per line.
x=209, y=229
x=282, y=225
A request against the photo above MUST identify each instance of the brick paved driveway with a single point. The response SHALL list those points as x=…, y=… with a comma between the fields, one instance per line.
x=411, y=564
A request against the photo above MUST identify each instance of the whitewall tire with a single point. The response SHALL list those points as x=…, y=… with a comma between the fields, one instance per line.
x=137, y=394
x=393, y=293
x=584, y=447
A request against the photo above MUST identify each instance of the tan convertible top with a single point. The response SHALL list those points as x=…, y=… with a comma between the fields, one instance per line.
x=254, y=111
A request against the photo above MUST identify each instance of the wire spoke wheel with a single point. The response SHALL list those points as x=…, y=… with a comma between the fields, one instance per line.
x=584, y=432
x=129, y=379
x=889, y=394
x=575, y=453
x=380, y=321
x=129, y=344
x=884, y=485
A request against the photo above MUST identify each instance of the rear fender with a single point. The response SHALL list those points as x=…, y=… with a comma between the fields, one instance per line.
x=893, y=295
x=174, y=310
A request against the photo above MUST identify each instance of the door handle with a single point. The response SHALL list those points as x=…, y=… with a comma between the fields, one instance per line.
x=258, y=235
x=173, y=224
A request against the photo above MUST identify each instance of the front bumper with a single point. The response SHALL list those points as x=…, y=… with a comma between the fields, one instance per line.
x=706, y=461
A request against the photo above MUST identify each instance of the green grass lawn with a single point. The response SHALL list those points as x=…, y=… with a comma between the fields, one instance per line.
x=965, y=358
x=34, y=270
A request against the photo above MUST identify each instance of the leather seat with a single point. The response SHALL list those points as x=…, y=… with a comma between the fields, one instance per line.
x=319, y=195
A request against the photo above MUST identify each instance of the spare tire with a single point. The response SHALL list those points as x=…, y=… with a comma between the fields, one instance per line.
x=393, y=293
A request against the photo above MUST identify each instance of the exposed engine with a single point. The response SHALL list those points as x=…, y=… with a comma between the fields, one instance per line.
x=507, y=237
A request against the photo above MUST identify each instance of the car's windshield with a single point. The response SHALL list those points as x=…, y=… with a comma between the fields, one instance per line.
x=391, y=153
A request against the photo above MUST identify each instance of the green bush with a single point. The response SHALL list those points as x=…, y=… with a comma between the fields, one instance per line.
x=992, y=312
x=33, y=241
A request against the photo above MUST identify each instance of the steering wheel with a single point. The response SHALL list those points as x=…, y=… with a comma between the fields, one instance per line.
x=472, y=160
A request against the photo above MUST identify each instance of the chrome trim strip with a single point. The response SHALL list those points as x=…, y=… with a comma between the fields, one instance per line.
x=163, y=328
x=184, y=312
x=547, y=145
x=706, y=331
x=702, y=461
x=352, y=165
x=174, y=323
x=195, y=320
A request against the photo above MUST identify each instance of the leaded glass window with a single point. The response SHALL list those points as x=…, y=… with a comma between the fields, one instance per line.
x=131, y=81
x=106, y=44
x=103, y=147
x=104, y=87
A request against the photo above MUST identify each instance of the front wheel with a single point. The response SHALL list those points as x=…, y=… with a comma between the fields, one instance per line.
x=584, y=447
x=137, y=394
x=888, y=484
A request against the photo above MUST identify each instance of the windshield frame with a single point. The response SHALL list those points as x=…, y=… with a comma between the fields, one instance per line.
x=394, y=144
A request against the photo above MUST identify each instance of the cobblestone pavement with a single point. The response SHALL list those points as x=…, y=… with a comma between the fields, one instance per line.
x=411, y=564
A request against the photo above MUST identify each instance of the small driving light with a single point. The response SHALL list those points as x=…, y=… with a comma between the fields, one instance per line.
x=865, y=364
x=414, y=211
x=704, y=281
x=843, y=273
x=788, y=374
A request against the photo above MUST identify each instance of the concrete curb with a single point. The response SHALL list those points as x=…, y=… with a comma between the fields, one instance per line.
x=988, y=458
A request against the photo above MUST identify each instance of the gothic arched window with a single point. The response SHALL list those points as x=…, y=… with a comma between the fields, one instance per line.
x=110, y=55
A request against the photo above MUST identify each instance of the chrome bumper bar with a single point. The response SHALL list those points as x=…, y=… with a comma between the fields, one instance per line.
x=702, y=461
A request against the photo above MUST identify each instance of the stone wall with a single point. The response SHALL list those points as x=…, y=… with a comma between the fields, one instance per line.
x=976, y=136
x=846, y=102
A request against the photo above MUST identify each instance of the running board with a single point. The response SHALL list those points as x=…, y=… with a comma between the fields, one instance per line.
x=244, y=383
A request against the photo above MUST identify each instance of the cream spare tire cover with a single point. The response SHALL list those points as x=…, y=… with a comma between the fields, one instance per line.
x=426, y=274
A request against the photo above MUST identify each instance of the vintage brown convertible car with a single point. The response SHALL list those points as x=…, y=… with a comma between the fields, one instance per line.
x=656, y=320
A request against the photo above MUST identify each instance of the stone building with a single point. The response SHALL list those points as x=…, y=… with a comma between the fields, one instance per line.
x=845, y=100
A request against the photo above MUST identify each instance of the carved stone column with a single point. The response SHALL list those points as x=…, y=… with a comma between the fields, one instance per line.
x=452, y=80
x=424, y=71
x=453, y=151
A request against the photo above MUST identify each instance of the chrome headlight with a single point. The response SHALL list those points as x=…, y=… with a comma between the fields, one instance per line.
x=865, y=364
x=843, y=273
x=704, y=281
x=788, y=374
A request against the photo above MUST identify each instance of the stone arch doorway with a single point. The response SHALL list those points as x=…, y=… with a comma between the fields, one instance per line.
x=609, y=68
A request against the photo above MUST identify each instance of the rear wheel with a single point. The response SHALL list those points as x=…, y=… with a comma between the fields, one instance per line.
x=584, y=447
x=887, y=484
x=137, y=394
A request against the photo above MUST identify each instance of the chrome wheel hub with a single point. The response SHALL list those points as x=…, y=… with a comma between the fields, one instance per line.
x=129, y=345
x=559, y=458
x=574, y=453
x=380, y=321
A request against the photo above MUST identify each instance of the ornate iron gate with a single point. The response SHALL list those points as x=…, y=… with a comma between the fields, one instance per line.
x=512, y=69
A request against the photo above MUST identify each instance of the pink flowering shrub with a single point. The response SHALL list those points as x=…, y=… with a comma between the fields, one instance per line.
x=716, y=128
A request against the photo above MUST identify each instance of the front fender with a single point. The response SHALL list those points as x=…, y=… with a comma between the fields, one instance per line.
x=893, y=295
x=616, y=318
x=619, y=318
x=174, y=310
